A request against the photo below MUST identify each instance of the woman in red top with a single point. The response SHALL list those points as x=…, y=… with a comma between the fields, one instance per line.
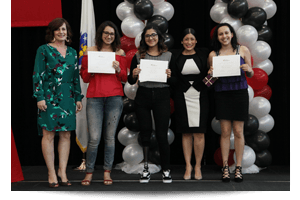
x=104, y=100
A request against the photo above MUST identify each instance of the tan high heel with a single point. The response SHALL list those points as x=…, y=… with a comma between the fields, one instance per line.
x=187, y=177
x=108, y=182
x=198, y=177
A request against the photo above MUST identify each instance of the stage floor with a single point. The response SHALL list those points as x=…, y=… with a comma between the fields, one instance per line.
x=273, y=178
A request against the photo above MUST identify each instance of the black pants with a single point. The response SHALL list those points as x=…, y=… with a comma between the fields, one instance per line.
x=157, y=100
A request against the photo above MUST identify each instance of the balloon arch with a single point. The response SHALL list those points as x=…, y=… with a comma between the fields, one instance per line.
x=249, y=19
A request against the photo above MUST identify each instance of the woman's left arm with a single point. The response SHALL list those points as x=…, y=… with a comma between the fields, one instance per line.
x=122, y=64
x=247, y=66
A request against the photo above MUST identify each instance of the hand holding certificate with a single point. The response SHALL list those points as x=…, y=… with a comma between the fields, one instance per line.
x=101, y=62
x=153, y=70
x=226, y=66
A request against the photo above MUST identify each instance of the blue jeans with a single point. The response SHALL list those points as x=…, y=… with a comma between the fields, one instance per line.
x=103, y=113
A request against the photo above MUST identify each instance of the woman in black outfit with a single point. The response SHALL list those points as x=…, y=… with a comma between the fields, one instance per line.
x=189, y=67
x=153, y=96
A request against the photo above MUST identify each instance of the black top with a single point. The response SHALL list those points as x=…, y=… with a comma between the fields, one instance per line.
x=180, y=82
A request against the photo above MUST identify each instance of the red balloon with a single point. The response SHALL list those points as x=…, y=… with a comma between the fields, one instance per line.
x=218, y=157
x=129, y=56
x=212, y=32
x=258, y=80
x=172, y=106
x=264, y=92
x=127, y=43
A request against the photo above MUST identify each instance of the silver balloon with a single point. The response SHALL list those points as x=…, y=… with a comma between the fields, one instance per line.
x=259, y=107
x=260, y=51
x=164, y=9
x=218, y=12
x=131, y=26
x=247, y=35
x=155, y=2
x=124, y=9
x=265, y=65
x=232, y=140
x=126, y=136
x=251, y=93
x=235, y=23
x=171, y=136
x=266, y=123
x=138, y=39
x=270, y=7
x=130, y=90
x=216, y=126
x=133, y=154
x=249, y=157
x=255, y=3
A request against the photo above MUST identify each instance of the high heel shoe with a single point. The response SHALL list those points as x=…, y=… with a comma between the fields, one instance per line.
x=198, y=177
x=187, y=177
x=109, y=181
x=238, y=176
x=68, y=183
x=225, y=177
x=53, y=185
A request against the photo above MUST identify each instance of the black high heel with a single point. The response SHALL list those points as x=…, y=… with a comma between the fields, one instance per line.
x=238, y=176
x=68, y=183
x=226, y=175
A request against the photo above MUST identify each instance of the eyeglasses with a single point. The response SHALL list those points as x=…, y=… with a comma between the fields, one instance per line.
x=108, y=33
x=153, y=35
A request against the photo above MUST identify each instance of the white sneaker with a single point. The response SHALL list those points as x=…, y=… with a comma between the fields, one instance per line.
x=145, y=177
x=166, y=176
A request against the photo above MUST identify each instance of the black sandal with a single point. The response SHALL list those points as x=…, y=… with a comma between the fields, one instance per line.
x=226, y=175
x=238, y=176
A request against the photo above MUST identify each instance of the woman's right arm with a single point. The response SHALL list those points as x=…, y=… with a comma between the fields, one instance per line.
x=131, y=78
x=39, y=73
x=85, y=75
x=209, y=62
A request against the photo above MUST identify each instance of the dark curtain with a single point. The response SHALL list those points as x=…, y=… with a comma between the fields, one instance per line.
x=188, y=13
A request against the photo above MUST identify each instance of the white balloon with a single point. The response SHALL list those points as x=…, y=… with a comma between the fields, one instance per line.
x=232, y=140
x=164, y=9
x=260, y=51
x=265, y=65
x=266, y=123
x=138, y=39
x=259, y=107
x=130, y=90
x=235, y=23
x=155, y=2
x=171, y=136
x=255, y=3
x=133, y=154
x=218, y=12
x=126, y=136
x=131, y=26
x=216, y=126
x=251, y=93
x=246, y=35
x=124, y=9
x=249, y=157
x=270, y=7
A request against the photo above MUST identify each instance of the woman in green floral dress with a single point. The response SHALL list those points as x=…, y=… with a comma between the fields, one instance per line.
x=56, y=86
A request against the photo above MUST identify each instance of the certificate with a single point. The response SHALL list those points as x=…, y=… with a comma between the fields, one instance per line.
x=153, y=70
x=226, y=66
x=101, y=62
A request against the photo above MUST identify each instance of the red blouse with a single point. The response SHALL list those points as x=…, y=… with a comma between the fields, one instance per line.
x=104, y=85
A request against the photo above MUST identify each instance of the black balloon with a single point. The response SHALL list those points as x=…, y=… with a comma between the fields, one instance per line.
x=251, y=125
x=237, y=8
x=259, y=141
x=264, y=33
x=169, y=40
x=131, y=122
x=255, y=17
x=143, y=9
x=132, y=1
x=154, y=156
x=263, y=159
x=160, y=21
x=128, y=105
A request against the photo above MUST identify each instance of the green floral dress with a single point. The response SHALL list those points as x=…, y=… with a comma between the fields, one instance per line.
x=56, y=80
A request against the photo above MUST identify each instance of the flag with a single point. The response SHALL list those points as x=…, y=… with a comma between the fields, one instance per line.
x=87, y=39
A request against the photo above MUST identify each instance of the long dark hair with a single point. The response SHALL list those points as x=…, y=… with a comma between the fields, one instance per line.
x=216, y=45
x=98, y=39
x=142, y=49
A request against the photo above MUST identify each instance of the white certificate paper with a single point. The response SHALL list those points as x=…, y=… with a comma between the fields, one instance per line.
x=101, y=62
x=153, y=70
x=226, y=66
